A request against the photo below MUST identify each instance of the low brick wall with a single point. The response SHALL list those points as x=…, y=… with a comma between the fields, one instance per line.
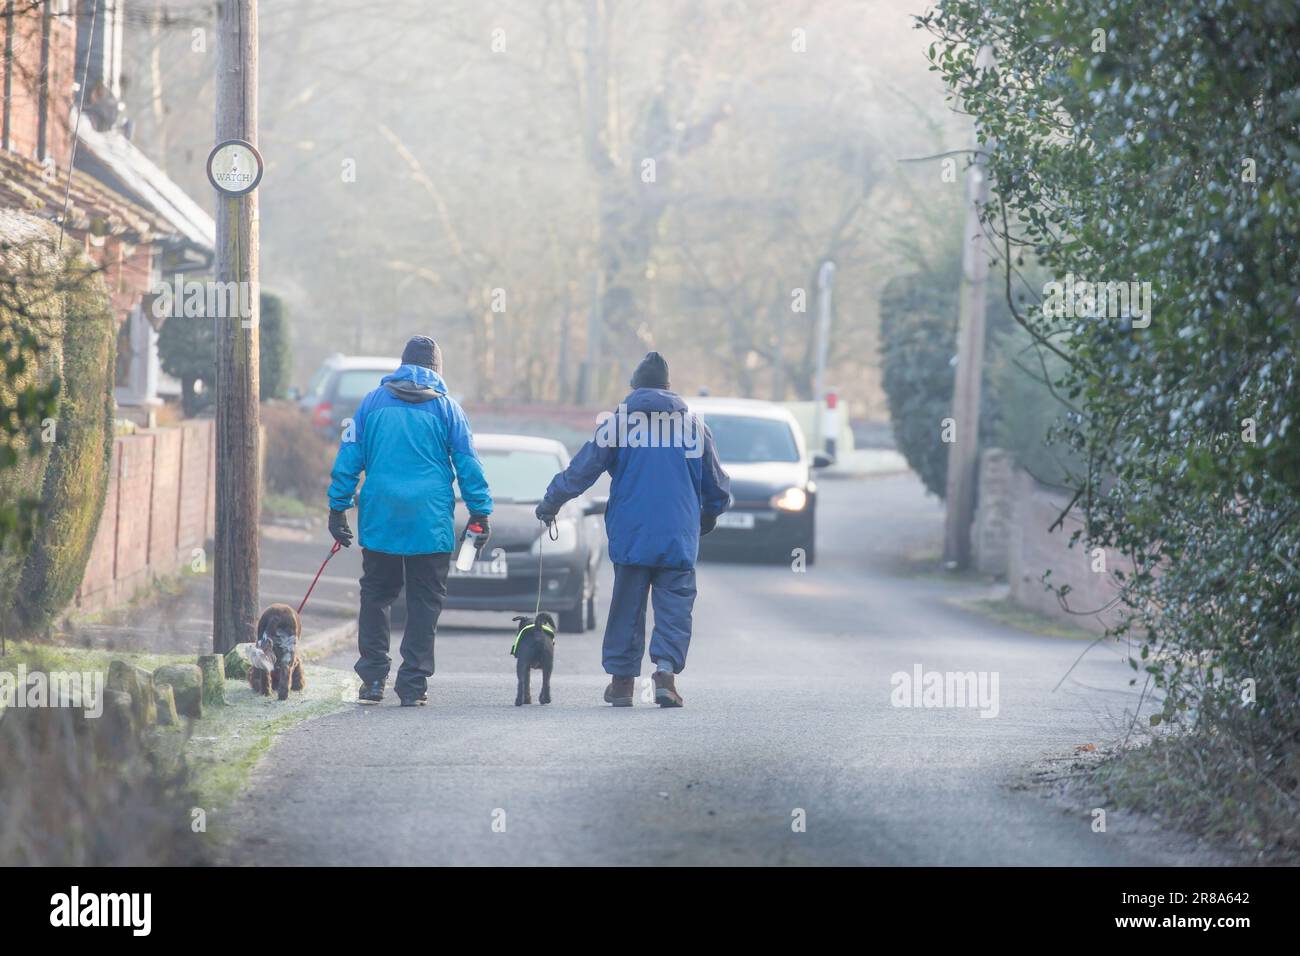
x=1033, y=550
x=159, y=508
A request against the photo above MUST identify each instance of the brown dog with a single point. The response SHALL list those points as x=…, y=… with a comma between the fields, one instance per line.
x=277, y=635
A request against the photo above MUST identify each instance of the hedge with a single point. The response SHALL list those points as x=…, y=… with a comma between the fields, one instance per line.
x=65, y=307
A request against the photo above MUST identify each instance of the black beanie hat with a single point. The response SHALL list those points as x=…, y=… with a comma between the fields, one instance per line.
x=651, y=373
x=422, y=350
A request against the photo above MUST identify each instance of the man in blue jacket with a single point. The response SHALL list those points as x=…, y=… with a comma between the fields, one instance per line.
x=410, y=439
x=667, y=488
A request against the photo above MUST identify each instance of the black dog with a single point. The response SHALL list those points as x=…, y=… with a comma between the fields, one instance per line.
x=534, y=649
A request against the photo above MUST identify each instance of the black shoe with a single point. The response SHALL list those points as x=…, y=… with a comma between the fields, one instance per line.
x=371, y=693
x=420, y=701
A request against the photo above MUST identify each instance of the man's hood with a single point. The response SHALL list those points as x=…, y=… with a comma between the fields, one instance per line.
x=415, y=383
x=654, y=400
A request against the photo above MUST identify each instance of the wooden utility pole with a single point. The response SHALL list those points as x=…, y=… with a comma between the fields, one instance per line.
x=963, y=452
x=235, y=601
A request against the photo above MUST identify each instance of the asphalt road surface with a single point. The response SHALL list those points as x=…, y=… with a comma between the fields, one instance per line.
x=788, y=717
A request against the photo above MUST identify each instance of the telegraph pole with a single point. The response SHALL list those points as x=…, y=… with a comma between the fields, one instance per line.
x=235, y=170
x=825, y=288
x=963, y=452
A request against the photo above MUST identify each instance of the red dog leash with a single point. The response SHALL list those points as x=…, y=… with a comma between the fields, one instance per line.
x=333, y=551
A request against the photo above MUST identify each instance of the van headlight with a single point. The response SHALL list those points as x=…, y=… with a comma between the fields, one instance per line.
x=792, y=499
x=567, y=540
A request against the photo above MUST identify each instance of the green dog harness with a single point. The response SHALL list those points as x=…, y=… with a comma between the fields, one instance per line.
x=514, y=648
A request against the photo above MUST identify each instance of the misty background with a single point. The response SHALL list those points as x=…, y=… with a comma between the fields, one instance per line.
x=491, y=173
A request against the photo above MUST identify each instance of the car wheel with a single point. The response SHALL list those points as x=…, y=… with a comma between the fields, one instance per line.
x=573, y=621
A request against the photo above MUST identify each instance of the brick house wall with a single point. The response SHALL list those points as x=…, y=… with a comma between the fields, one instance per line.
x=1033, y=549
x=40, y=72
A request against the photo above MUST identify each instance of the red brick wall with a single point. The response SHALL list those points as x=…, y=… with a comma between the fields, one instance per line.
x=25, y=74
x=1032, y=550
x=156, y=511
x=126, y=269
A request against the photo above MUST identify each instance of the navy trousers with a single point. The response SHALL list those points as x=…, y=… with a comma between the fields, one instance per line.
x=671, y=591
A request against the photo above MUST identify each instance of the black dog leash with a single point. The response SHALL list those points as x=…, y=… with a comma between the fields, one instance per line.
x=552, y=532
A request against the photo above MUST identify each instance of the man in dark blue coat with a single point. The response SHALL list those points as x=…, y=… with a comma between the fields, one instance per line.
x=667, y=488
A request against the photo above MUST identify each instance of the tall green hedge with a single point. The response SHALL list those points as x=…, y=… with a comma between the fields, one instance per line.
x=77, y=475
x=187, y=349
x=66, y=307
x=918, y=347
x=274, y=368
x=1157, y=144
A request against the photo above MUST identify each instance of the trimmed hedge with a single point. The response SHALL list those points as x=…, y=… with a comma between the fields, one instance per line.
x=76, y=478
x=66, y=308
x=918, y=348
x=274, y=368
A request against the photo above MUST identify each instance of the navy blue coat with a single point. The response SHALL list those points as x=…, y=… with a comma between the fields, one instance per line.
x=664, y=473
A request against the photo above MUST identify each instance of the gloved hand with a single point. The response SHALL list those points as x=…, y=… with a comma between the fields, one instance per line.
x=339, y=529
x=707, y=522
x=482, y=537
x=546, y=511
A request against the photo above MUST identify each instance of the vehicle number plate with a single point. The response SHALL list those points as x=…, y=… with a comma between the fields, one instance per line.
x=736, y=519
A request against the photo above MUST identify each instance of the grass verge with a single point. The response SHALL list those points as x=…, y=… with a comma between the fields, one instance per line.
x=1006, y=612
x=1207, y=784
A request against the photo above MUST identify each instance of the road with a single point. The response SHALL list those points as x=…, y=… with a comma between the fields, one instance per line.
x=788, y=709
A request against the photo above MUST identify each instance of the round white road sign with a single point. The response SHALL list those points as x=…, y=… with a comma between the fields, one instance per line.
x=234, y=167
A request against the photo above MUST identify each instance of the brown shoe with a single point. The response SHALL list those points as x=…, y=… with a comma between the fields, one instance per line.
x=666, y=691
x=620, y=691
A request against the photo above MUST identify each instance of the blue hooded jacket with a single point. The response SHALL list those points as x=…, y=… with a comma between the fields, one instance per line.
x=658, y=490
x=410, y=439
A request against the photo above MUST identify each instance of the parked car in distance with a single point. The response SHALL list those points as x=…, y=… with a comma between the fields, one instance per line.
x=504, y=578
x=774, y=496
x=336, y=390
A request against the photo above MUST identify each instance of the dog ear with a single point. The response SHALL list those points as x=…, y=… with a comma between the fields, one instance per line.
x=267, y=617
x=521, y=619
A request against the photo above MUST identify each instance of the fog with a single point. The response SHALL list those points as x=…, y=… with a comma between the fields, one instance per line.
x=494, y=174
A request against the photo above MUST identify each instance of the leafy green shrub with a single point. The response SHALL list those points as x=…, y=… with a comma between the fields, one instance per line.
x=274, y=367
x=57, y=406
x=1031, y=413
x=918, y=349
x=297, y=460
x=187, y=350
x=76, y=477
x=29, y=383
x=1160, y=148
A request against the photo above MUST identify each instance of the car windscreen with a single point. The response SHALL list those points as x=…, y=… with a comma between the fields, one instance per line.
x=318, y=381
x=354, y=383
x=516, y=476
x=742, y=440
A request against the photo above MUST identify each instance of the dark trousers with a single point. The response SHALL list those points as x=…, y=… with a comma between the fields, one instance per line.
x=382, y=578
x=672, y=593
